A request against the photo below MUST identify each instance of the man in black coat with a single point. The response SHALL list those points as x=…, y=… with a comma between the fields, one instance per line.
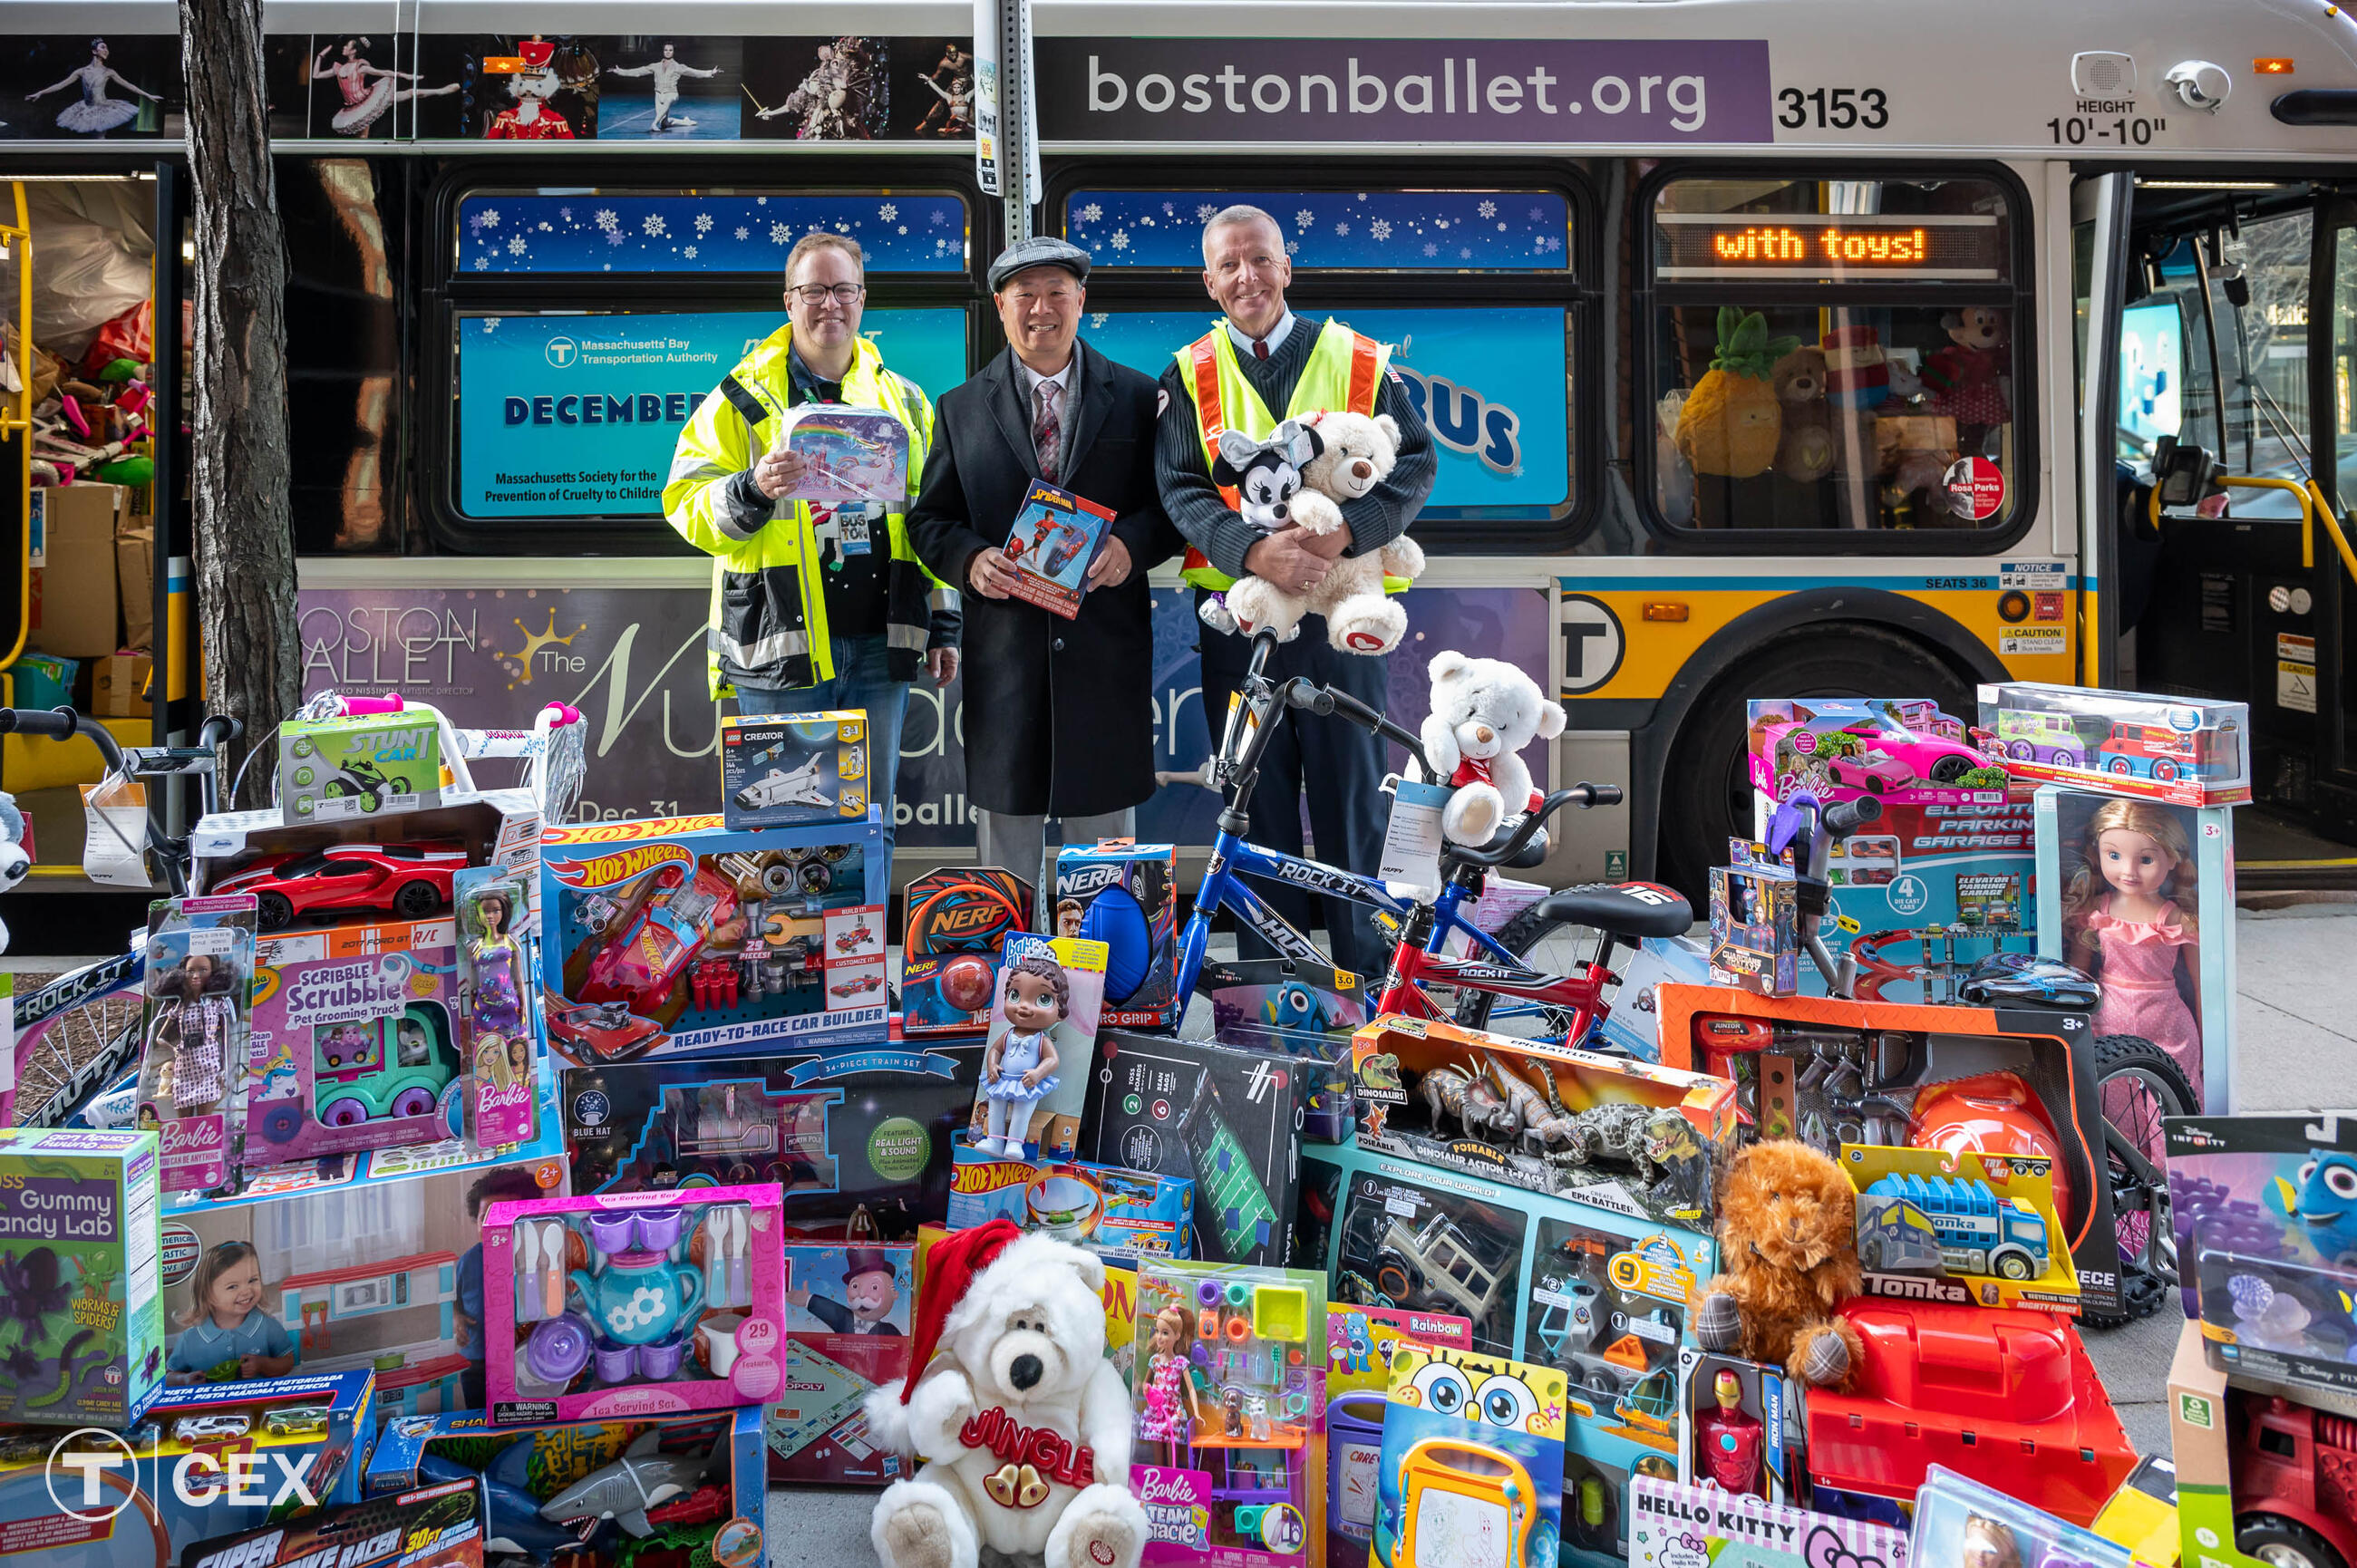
x=1059, y=714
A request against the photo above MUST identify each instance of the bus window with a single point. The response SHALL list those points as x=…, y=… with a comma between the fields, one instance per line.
x=1837, y=355
x=1381, y=231
x=703, y=231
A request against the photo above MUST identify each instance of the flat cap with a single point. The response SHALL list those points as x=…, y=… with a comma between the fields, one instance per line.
x=1039, y=251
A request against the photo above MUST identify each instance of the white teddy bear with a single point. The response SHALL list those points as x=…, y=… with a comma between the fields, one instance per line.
x=1350, y=454
x=1023, y=1424
x=1484, y=711
x=14, y=864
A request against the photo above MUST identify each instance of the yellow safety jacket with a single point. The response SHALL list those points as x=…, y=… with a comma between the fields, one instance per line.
x=768, y=604
x=1344, y=373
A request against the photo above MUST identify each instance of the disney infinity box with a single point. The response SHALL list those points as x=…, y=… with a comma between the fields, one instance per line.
x=78, y=1223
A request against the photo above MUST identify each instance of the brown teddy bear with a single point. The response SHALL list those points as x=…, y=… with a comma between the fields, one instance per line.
x=1788, y=1246
x=1804, y=451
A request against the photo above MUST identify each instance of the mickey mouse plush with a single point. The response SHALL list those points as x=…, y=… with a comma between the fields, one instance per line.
x=1266, y=476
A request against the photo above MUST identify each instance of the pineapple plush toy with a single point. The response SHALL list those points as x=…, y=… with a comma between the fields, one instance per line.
x=1731, y=421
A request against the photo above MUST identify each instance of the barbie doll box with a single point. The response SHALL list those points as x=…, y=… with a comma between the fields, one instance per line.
x=2143, y=899
x=78, y=1277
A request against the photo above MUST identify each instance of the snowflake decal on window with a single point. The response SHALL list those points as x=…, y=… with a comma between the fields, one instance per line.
x=780, y=234
x=565, y=213
x=516, y=246
x=1464, y=252
x=605, y=217
x=1550, y=242
x=704, y=222
x=613, y=236
x=1120, y=240
x=841, y=227
x=743, y=232
x=1304, y=218
x=1293, y=247
x=1430, y=249
x=1204, y=213
x=1537, y=214
x=1341, y=228
x=1381, y=229
x=1091, y=213
x=888, y=212
x=1487, y=209
x=1099, y=317
x=482, y=263
x=488, y=217
x=654, y=225
x=939, y=217
x=689, y=253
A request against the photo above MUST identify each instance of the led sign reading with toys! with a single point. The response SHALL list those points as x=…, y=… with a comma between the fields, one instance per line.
x=1950, y=247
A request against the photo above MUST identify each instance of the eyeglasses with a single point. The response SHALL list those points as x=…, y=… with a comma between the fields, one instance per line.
x=816, y=293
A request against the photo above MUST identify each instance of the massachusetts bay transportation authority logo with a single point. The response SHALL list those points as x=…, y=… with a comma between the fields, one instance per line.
x=77, y=1472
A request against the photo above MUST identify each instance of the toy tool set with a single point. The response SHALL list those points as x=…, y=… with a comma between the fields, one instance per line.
x=1229, y=1412
x=633, y=1305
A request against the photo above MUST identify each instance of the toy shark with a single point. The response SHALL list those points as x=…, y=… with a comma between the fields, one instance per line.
x=779, y=788
x=624, y=1490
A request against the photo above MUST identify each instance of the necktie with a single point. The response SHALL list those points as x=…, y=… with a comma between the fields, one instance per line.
x=1047, y=438
x=1260, y=347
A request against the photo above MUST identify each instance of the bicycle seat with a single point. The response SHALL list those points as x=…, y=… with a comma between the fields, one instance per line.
x=1628, y=909
x=1531, y=853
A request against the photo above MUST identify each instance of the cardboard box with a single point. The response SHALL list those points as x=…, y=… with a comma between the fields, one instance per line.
x=1985, y=1220
x=958, y=921
x=134, y=576
x=43, y=681
x=1119, y=1213
x=1755, y=940
x=792, y=769
x=89, y=1200
x=74, y=600
x=118, y=686
x=1679, y=1525
x=439, y=1526
x=1751, y=1448
x=364, y=766
x=1126, y=895
x=2251, y=1457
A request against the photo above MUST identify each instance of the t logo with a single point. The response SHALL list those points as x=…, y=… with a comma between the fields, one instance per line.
x=1592, y=643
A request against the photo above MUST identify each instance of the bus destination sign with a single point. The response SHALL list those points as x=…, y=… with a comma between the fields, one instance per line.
x=1942, y=247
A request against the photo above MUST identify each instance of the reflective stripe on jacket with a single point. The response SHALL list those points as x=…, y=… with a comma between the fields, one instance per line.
x=768, y=624
x=1344, y=372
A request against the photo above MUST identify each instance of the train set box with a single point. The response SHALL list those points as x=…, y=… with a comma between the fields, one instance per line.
x=79, y=1211
x=676, y=937
x=1625, y=1135
x=2181, y=749
x=794, y=770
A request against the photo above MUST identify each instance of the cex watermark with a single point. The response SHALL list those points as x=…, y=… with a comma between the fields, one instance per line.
x=93, y=1476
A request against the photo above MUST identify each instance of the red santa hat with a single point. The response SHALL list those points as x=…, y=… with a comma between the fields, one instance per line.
x=951, y=1267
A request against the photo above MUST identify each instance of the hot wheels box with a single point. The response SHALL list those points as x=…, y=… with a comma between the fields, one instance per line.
x=1126, y=895
x=792, y=769
x=1985, y=1220
x=366, y=765
x=678, y=938
x=601, y=1484
x=1121, y=1213
x=2182, y=749
x=840, y=1133
x=1680, y=1525
x=2266, y=1242
x=79, y=1211
x=1620, y=1135
x=439, y=1525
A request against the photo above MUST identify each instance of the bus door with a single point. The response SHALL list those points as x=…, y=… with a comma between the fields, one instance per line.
x=2236, y=333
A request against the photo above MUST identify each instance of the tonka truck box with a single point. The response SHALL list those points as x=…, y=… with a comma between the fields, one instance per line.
x=366, y=765
x=792, y=769
x=79, y=1211
x=1987, y=1222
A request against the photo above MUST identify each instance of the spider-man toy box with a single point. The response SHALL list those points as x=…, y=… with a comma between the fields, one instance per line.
x=77, y=1279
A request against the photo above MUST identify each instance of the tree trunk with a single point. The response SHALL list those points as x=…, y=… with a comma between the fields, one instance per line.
x=239, y=467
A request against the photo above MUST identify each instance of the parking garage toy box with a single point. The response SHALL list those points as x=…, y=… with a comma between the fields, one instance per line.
x=676, y=937
x=78, y=1212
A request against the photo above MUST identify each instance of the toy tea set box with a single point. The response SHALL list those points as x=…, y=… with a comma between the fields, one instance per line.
x=957, y=923
x=361, y=766
x=1637, y=1139
x=1688, y=1526
x=678, y=938
x=78, y=1216
x=794, y=770
x=1986, y=1222
x=2265, y=1213
x=633, y=1304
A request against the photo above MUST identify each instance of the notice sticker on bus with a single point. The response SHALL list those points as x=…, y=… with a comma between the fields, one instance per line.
x=1975, y=488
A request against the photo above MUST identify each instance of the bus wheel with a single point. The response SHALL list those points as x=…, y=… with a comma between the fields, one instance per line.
x=1706, y=788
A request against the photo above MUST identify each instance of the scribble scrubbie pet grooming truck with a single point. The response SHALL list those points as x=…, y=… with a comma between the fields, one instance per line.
x=82, y=1314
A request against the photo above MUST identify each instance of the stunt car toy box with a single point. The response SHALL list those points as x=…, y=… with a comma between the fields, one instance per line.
x=433, y=1527
x=77, y=1215
x=676, y=937
x=366, y=765
x=796, y=768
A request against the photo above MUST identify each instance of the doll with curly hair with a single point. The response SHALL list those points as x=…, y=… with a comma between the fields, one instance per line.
x=1787, y=1244
x=2129, y=916
x=1020, y=1069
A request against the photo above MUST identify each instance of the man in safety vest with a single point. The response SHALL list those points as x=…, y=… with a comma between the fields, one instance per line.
x=815, y=605
x=1258, y=366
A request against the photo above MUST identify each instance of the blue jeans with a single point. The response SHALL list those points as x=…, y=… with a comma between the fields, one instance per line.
x=860, y=681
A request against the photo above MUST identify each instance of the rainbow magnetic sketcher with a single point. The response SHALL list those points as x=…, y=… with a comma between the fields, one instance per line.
x=1471, y=1474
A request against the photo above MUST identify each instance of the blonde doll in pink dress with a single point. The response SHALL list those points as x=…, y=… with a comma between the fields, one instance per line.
x=2129, y=917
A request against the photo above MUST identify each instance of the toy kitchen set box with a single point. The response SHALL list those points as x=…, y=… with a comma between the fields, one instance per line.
x=678, y=938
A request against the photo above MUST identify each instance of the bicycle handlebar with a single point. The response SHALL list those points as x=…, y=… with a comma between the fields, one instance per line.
x=1843, y=817
x=62, y=724
x=1309, y=697
x=1584, y=795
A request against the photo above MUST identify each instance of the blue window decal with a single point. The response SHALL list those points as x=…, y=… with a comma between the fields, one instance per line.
x=600, y=231
x=1491, y=384
x=1392, y=231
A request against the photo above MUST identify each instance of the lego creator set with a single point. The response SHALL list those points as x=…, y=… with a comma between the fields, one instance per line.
x=2191, y=752
x=957, y=922
x=78, y=1217
x=2265, y=1214
x=841, y=1134
x=1626, y=1136
x=679, y=937
x=794, y=770
x=2013, y=1082
x=847, y=1310
x=1126, y=895
x=365, y=765
x=639, y=1304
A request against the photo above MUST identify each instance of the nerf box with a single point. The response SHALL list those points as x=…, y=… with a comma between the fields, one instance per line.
x=366, y=765
x=1629, y=1136
x=2266, y=1242
x=358, y=1262
x=440, y=1526
x=592, y=1485
x=2182, y=749
x=847, y=1308
x=2005, y=1081
x=956, y=922
x=1681, y=1524
x=1755, y=929
x=1126, y=895
x=1987, y=1222
x=676, y=937
x=1229, y=1120
x=1443, y=1480
x=79, y=1211
x=206, y=1461
x=792, y=769
x=1120, y=1213
x=1304, y=1011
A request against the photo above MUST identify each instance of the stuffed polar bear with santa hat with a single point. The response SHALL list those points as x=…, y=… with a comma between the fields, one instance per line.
x=1023, y=1424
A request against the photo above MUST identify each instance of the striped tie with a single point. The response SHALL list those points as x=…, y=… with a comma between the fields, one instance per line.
x=1047, y=436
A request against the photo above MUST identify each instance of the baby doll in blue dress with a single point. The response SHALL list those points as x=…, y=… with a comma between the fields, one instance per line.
x=1020, y=1069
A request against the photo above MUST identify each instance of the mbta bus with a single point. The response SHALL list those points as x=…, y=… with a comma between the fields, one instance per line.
x=1767, y=355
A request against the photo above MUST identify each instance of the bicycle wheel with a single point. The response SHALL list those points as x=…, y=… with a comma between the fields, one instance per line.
x=2138, y=1083
x=74, y=1035
x=1526, y=936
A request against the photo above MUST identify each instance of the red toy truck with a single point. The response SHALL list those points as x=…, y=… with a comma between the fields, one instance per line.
x=2295, y=1485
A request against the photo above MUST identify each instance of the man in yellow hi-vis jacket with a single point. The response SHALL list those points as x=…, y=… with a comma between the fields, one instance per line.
x=814, y=606
x=1257, y=366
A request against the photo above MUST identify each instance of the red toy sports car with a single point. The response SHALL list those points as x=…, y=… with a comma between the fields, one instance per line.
x=866, y=983
x=599, y=1031
x=410, y=880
